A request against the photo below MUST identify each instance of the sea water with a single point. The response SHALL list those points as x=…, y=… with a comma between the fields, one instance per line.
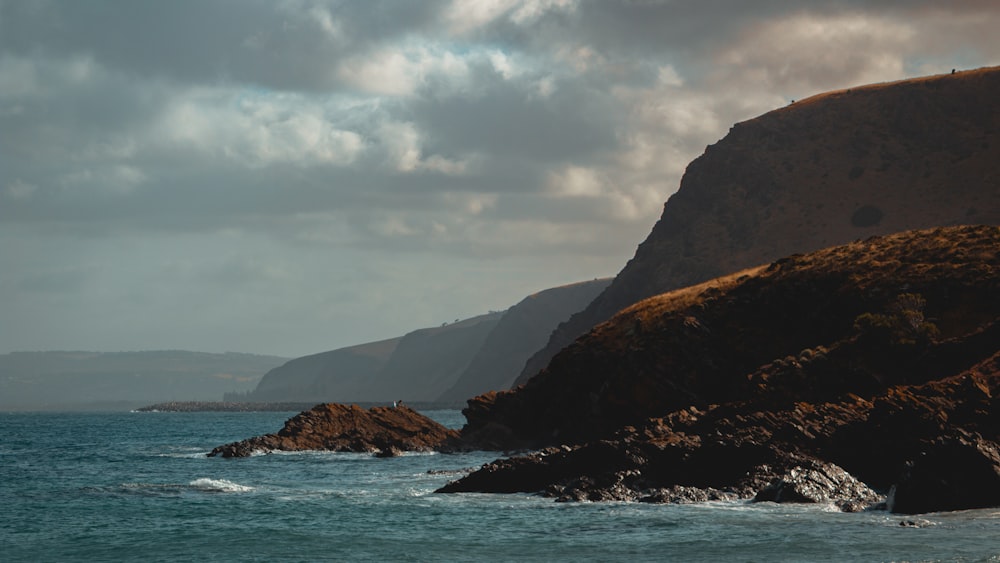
x=139, y=487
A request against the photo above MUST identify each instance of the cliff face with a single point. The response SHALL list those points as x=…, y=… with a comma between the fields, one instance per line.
x=524, y=328
x=823, y=171
x=880, y=357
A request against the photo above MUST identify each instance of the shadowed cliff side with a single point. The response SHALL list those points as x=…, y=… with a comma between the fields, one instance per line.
x=823, y=171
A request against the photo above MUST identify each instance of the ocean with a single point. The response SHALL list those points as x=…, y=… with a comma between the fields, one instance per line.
x=129, y=486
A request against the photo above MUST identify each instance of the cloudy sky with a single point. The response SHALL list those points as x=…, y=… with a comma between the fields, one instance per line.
x=292, y=176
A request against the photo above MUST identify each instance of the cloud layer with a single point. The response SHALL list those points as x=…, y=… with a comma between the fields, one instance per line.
x=292, y=176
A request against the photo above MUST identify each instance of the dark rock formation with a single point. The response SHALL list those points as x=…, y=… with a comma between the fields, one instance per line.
x=383, y=431
x=823, y=171
x=881, y=357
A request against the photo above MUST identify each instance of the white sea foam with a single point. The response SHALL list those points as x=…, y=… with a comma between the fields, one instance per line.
x=219, y=486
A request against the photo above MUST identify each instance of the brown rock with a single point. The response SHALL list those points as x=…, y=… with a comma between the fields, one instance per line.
x=382, y=431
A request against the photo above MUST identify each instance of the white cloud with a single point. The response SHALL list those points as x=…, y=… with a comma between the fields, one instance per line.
x=464, y=16
x=576, y=181
x=403, y=146
x=807, y=53
x=258, y=130
x=401, y=71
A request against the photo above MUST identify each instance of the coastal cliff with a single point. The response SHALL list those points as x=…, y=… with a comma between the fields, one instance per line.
x=822, y=171
x=881, y=357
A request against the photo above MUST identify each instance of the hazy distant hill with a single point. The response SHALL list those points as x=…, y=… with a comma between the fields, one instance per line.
x=84, y=380
x=430, y=360
x=823, y=171
x=342, y=373
x=449, y=363
x=524, y=328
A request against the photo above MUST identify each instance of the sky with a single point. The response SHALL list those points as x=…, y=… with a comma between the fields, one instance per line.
x=288, y=177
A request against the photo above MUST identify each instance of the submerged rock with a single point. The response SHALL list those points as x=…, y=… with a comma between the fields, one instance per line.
x=383, y=431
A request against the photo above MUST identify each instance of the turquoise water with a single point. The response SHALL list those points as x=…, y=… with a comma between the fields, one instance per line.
x=138, y=487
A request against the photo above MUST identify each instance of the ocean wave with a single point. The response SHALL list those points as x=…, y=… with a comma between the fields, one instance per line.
x=219, y=486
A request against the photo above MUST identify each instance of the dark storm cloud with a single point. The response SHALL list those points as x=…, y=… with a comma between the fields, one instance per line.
x=289, y=45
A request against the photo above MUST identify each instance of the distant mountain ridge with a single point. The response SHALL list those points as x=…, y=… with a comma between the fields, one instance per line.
x=446, y=364
x=826, y=170
x=75, y=380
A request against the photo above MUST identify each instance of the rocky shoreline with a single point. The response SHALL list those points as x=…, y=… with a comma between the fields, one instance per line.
x=880, y=359
x=864, y=376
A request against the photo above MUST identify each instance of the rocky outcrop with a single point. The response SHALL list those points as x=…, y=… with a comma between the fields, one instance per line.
x=823, y=171
x=879, y=357
x=383, y=431
x=933, y=447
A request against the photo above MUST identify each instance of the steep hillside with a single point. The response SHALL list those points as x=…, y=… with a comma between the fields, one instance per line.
x=823, y=171
x=84, y=380
x=524, y=329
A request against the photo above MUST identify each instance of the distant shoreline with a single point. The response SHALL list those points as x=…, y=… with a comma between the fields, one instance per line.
x=221, y=406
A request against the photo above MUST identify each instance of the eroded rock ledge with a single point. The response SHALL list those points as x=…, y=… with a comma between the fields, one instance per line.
x=383, y=431
x=928, y=444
